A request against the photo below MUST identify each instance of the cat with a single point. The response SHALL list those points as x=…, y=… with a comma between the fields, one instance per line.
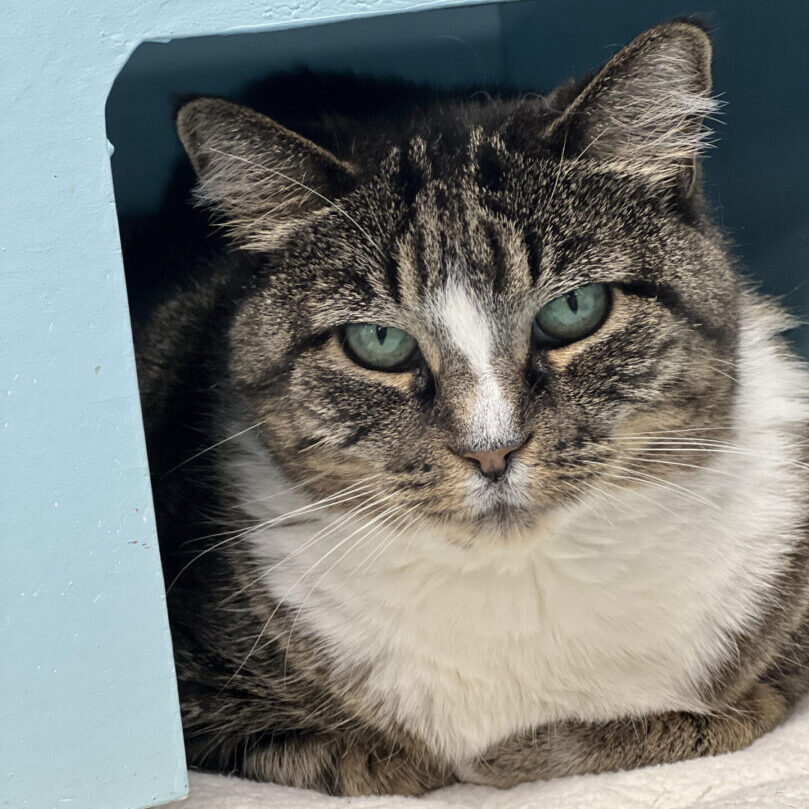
x=474, y=457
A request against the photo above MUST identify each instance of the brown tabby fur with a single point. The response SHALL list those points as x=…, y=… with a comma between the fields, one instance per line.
x=528, y=195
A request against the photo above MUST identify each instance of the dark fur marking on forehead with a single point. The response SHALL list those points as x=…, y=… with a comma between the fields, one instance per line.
x=422, y=270
x=499, y=204
x=534, y=247
x=499, y=262
x=410, y=181
x=566, y=252
x=489, y=169
x=440, y=196
x=392, y=278
x=363, y=285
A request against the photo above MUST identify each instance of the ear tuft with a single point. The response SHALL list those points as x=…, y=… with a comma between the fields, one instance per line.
x=253, y=172
x=643, y=113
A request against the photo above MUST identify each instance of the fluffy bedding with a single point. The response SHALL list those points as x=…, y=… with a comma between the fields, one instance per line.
x=771, y=774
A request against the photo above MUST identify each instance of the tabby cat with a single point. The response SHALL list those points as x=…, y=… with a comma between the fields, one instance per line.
x=474, y=458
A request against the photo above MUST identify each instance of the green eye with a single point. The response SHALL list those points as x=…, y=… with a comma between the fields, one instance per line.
x=381, y=348
x=572, y=316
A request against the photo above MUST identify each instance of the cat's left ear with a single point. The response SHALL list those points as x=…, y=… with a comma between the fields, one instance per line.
x=643, y=112
x=255, y=173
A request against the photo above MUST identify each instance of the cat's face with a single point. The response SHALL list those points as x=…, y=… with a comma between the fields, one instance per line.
x=471, y=330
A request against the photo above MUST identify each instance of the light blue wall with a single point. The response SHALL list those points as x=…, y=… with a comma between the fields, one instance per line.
x=88, y=709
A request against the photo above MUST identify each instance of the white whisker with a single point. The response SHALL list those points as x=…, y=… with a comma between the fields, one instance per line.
x=640, y=476
x=283, y=599
x=324, y=532
x=214, y=446
x=327, y=502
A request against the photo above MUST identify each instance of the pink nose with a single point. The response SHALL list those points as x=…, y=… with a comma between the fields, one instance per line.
x=493, y=462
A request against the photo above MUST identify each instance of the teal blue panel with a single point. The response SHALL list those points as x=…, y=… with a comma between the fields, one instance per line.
x=451, y=46
x=88, y=705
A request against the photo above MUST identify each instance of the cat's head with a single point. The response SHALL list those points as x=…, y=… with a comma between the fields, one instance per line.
x=481, y=323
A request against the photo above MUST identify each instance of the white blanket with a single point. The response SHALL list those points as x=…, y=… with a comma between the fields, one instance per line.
x=771, y=774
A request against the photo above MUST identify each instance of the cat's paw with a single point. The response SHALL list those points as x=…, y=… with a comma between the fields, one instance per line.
x=499, y=773
x=377, y=772
x=469, y=772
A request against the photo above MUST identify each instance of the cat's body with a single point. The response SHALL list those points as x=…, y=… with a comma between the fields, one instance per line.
x=357, y=604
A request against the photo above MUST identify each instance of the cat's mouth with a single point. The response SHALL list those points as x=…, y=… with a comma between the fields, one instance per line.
x=503, y=504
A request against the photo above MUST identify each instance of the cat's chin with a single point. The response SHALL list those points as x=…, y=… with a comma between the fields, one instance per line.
x=499, y=525
x=503, y=511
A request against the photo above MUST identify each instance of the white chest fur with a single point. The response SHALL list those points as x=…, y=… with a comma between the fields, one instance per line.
x=618, y=606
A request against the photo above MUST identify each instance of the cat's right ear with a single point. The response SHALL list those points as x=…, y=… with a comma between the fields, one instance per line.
x=256, y=174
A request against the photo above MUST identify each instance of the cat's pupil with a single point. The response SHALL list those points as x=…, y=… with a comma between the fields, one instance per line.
x=381, y=333
x=572, y=302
